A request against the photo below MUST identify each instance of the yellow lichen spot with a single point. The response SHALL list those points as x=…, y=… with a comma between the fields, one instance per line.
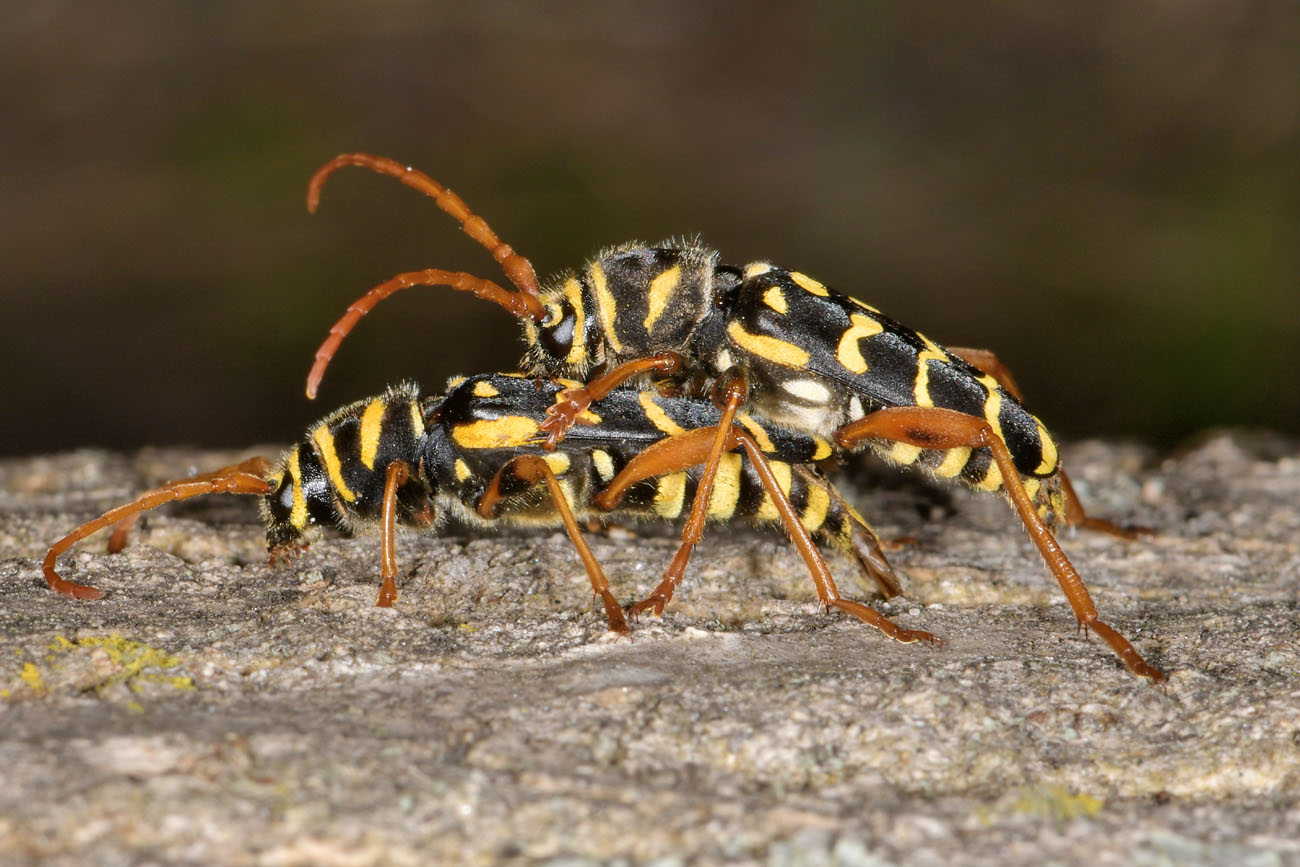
x=372, y=421
x=31, y=675
x=657, y=416
x=756, y=431
x=726, y=488
x=775, y=299
x=324, y=441
x=808, y=284
x=118, y=660
x=660, y=293
x=953, y=461
x=1056, y=802
x=754, y=269
x=849, y=352
x=509, y=431
x=670, y=495
x=462, y=470
x=770, y=348
x=483, y=388
x=605, y=301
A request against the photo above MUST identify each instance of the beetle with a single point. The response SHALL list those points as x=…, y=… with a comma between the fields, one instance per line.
x=810, y=358
x=475, y=454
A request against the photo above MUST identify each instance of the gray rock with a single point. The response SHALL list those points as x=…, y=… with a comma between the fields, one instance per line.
x=213, y=710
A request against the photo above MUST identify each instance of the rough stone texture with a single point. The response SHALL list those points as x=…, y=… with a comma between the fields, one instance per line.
x=213, y=710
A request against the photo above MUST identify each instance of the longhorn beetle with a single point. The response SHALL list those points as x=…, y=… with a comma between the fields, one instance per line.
x=476, y=455
x=811, y=358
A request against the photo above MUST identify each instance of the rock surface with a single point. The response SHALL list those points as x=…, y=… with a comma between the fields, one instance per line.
x=213, y=710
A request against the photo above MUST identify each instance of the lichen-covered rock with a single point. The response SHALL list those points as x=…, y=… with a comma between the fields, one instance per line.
x=212, y=709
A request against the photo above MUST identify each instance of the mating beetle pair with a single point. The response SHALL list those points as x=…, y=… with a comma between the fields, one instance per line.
x=674, y=323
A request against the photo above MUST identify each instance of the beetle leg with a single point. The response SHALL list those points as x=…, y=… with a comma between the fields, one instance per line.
x=936, y=428
x=531, y=469
x=685, y=450
x=572, y=402
x=394, y=477
x=248, y=477
x=986, y=361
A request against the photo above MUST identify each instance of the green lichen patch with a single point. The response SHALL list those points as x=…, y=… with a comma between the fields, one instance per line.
x=110, y=666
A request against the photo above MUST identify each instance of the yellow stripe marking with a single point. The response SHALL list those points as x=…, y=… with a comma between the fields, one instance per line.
x=864, y=305
x=993, y=406
x=769, y=348
x=605, y=301
x=903, y=453
x=657, y=416
x=372, y=421
x=754, y=269
x=604, y=464
x=726, y=488
x=577, y=349
x=455, y=382
x=298, y=513
x=756, y=431
x=953, y=462
x=823, y=449
x=767, y=509
x=483, y=388
x=670, y=495
x=325, y=445
x=932, y=352
x=417, y=419
x=775, y=299
x=1031, y=488
x=660, y=292
x=849, y=352
x=462, y=470
x=992, y=479
x=808, y=284
x=814, y=514
x=557, y=461
x=507, y=432
x=1048, y=449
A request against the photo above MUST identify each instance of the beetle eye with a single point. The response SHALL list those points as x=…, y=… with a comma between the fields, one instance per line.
x=557, y=337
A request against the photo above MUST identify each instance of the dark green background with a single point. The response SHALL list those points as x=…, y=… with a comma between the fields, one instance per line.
x=1108, y=193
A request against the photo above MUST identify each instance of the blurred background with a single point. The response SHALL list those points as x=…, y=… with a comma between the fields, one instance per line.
x=1108, y=194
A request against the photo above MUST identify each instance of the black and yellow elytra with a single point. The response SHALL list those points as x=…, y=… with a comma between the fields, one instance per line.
x=459, y=440
x=816, y=359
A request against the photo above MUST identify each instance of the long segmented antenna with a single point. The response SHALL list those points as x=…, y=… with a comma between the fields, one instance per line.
x=248, y=477
x=460, y=281
x=523, y=304
x=519, y=270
